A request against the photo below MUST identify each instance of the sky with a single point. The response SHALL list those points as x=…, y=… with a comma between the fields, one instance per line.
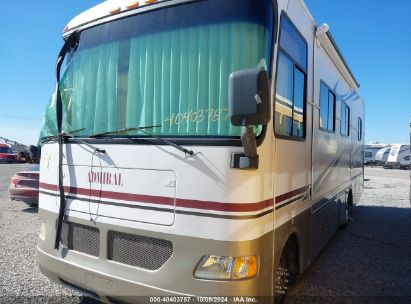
x=373, y=36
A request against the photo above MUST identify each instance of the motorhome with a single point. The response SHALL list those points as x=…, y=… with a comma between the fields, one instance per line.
x=399, y=157
x=382, y=155
x=203, y=148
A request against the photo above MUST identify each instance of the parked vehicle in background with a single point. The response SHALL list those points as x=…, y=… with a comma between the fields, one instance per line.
x=399, y=157
x=370, y=152
x=24, y=186
x=382, y=155
x=34, y=154
x=6, y=154
x=163, y=172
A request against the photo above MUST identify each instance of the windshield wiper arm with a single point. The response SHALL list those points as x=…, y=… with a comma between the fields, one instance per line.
x=122, y=131
x=72, y=137
x=178, y=147
x=143, y=130
x=66, y=134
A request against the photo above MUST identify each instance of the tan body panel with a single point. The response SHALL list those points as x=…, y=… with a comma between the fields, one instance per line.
x=175, y=277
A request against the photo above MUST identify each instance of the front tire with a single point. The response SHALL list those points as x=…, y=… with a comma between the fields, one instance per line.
x=287, y=271
x=281, y=281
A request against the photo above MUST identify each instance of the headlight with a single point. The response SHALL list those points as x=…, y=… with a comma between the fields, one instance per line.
x=214, y=267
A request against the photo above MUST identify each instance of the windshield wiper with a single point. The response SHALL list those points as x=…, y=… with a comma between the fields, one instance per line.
x=143, y=130
x=72, y=137
x=70, y=134
x=122, y=131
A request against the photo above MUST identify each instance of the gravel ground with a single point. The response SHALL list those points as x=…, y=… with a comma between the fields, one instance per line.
x=20, y=279
x=368, y=262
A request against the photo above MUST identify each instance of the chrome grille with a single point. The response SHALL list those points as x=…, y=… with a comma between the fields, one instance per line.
x=81, y=238
x=137, y=250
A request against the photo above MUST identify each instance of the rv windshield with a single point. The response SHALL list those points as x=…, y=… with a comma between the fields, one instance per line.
x=168, y=67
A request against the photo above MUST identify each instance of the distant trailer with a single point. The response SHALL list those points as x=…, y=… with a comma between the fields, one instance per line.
x=370, y=152
x=381, y=156
x=399, y=157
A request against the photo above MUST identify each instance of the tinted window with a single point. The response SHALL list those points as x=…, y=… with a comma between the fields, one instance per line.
x=360, y=129
x=345, y=119
x=327, y=106
x=367, y=154
x=292, y=42
x=331, y=111
x=290, y=86
x=284, y=95
x=298, y=114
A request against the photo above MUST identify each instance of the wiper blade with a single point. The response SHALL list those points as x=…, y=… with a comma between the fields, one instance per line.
x=74, y=131
x=143, y=130
x=55, y=137
x=122, y=131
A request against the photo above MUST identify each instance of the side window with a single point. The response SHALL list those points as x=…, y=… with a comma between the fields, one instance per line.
x=291, y=83
x=327, y=108
x=367, y=154
x=359, y=129
x=345, y=119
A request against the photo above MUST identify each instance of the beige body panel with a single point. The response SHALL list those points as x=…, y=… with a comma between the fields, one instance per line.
x=175, y=277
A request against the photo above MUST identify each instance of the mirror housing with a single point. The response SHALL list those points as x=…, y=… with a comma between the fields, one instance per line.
x=249, y=105
x=248, y=98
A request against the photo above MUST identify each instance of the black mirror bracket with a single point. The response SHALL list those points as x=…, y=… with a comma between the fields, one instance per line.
x=249, y=159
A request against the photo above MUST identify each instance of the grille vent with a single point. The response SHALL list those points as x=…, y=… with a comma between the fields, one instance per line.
x=81, y=238
x=137, y=250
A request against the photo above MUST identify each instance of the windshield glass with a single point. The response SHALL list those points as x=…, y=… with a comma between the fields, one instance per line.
x=168, y=67
x=5, y=150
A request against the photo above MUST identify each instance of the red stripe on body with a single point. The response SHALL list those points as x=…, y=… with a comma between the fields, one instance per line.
x=286, y=196
x=161, y=200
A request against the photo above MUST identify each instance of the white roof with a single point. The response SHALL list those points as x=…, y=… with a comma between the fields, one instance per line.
x=102, y=10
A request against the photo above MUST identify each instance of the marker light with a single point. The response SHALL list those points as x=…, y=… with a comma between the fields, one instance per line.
x=115, y=10
x=132, y=5
x=212, y=267
x=149, y=1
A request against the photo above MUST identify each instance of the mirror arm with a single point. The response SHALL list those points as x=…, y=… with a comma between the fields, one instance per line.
x=249, y=159
x=249, y=142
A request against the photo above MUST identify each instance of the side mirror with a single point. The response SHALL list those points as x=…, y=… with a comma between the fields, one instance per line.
x=248, y=98
x=249, y=105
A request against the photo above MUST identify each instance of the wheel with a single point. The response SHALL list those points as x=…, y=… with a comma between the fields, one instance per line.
x=281, y=281
x=287, y=271
x=346, y=217
x=347, y=212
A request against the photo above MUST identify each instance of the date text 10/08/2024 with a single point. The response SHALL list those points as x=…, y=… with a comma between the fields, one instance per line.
x=188, y=299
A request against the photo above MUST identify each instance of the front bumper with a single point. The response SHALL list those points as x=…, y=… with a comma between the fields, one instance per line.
x=102, y=286
x=26, y=195
x=111, y=281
